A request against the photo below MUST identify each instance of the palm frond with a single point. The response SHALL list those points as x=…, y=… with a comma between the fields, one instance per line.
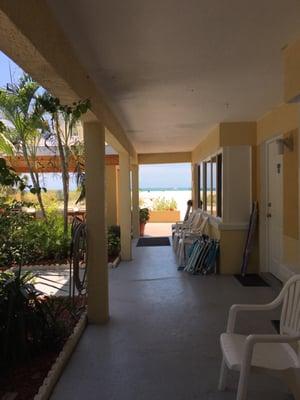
x=6, y=146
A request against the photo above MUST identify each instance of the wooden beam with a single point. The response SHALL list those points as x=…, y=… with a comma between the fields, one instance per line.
x=51, y=163
x=164, y=158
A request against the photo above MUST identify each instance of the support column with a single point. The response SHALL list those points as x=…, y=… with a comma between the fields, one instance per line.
x=94, y=142
x=111, y=194
x=135, y=201
x=125, y=205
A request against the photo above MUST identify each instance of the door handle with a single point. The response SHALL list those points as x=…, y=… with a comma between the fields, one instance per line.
x=269, y=215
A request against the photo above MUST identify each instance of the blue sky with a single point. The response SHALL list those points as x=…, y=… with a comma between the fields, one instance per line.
x=165, y=176
x=151, y=176
x=8, y=69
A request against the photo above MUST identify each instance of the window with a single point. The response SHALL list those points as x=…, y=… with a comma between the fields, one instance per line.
x=210, y=185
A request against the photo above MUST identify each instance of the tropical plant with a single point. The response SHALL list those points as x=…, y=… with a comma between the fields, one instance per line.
x=59, y=314
x=163, y=204
x=29, y=320
x=27, y=240
x=18, y=300
x=63, y=126
x=144, y=215
x=6, y=146
x=115, y=230
x=113, y=244
x=9, y=179
x=79, y=156
x=23, y=126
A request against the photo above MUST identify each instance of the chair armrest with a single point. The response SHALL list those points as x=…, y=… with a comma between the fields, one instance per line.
x=272, y=338
x=192, y=235
x=178, y=223
x=236, y=308
x=252, y=340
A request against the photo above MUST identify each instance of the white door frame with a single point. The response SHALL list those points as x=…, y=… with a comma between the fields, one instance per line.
x=263, y=226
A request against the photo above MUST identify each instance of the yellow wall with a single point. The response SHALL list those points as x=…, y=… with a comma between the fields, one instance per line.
x=285, y=120
x=237, y=133
x=225, y=134
x=208, y=146
x=232, y=244
x=232, y=240
x=281, y=119
x=111, y=194
x=291, y=59
x=290, y=189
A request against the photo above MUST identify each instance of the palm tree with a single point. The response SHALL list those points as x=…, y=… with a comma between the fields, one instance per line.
x=6, y=146
x=24, y=125
x=63, y=124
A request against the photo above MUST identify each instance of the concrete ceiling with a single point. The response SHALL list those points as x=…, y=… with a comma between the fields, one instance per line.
x=172, y=69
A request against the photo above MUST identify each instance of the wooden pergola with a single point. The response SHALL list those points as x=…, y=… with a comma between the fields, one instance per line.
x=51, y=163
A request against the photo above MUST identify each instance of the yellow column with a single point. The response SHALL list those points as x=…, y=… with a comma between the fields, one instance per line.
x=135, y=201
x=124, y=204
x=94, y=141
x=111, y=194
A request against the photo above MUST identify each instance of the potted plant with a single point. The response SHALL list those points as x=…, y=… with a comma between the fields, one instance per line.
x=144, y=218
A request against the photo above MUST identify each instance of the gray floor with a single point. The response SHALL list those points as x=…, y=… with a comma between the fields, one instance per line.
x=162, y=340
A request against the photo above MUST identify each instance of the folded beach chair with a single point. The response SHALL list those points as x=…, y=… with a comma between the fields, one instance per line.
x=203, y=256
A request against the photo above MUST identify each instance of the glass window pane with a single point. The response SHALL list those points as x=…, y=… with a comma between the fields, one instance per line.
x=219, y=185
x=214, y=186
x=200, y=185
x=208, y=186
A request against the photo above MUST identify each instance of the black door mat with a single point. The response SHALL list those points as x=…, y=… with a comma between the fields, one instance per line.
x=153, y=241
x=251, y=280
x=276, y=325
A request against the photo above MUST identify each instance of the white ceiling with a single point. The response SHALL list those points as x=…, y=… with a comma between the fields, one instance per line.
x=172, y=69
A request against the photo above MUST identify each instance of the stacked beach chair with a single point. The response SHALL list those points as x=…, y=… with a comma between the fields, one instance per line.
x=203, y=256
x=180, y=228
x=196, y=251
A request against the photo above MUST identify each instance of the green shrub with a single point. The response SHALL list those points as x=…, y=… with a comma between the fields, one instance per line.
x=30, y=322
x=18, y=299
x=26, y=240
x=163, y=204
x=115, y=230
x=113, y=244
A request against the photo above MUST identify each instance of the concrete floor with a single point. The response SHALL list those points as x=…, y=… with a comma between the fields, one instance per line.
x=162, y=342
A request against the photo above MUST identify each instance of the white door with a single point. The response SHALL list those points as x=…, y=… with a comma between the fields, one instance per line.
x=274, y=209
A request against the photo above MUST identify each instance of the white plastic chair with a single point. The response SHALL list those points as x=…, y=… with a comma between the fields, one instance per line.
x=188, y=238
x=188, y=213
x=183, y=224
x=277, y=354
x=192, y=223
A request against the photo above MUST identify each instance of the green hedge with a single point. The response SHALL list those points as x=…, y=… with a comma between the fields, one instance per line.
x=26, y=240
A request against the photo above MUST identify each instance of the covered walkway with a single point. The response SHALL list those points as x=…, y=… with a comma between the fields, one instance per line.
x=162, y=339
